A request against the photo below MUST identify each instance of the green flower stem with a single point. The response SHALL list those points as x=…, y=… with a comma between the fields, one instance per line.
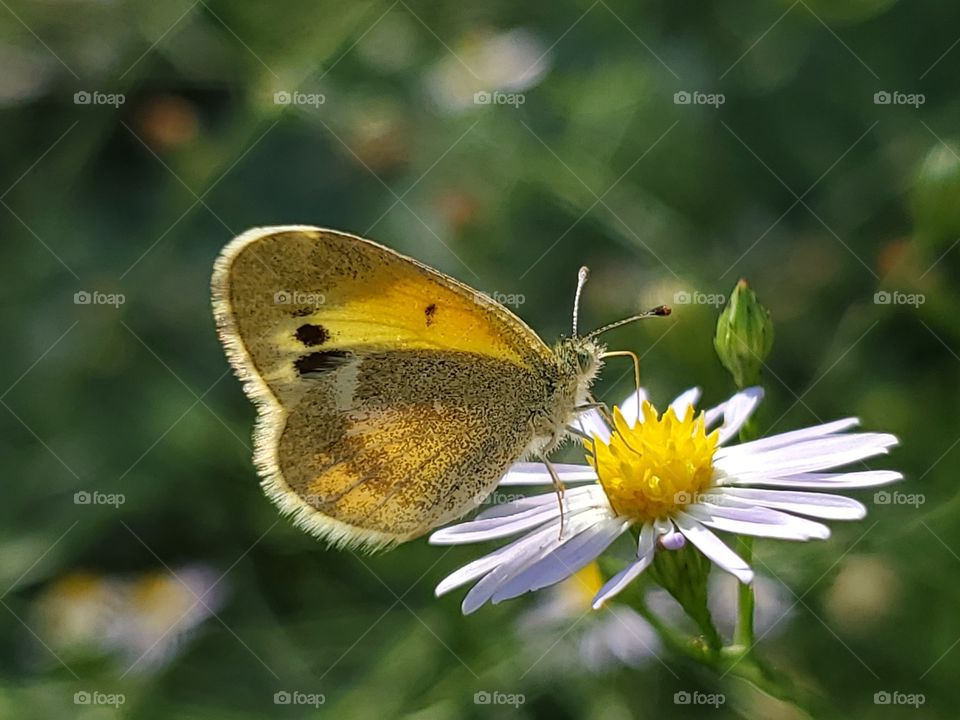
x=743, y=633
x=729, y=662
x=763, y=679
x=676, y=641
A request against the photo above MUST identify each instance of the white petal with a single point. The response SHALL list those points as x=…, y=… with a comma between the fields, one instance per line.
x=530, y=549
x=663, y=526
x=536, y=473
x=525, y=550
x=819, y=505
x=478, y=567
x=738, y=410
x=794, y=436
x=645, y=552
x=493, y=528
x=714, y=414
x=544, y=501
x=713, y=547
x=573, y=497
x=592, y=423
x=519, y=515
x=685, y=400
x=758, y=521
x=824, y=481
x=496, y=526
x=809, y=455
x=630, y=407
x=566, y=560
x=519, y=551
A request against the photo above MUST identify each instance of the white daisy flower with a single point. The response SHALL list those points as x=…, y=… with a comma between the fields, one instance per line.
x=146, y=619
x=675, y=478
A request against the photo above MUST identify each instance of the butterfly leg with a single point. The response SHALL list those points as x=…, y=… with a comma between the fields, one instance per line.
x=578, y=432
x=590, y=406
x=605, y=412
x=593, y=404
x=559, y=487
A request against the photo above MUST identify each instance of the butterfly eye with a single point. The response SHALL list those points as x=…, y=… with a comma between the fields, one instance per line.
x=585, y=359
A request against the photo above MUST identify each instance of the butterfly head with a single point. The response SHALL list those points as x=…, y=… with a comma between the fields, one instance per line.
x=587, y=354
x=579, y=357
x=579, y=360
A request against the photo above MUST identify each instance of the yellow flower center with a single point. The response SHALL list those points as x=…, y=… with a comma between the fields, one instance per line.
x=657, y=466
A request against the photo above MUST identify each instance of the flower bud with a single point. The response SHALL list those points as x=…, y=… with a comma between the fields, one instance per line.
x=744, y=336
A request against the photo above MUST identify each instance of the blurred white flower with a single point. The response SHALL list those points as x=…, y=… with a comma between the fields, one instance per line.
x=515, y=60
x=144, y=620
x=601, y=642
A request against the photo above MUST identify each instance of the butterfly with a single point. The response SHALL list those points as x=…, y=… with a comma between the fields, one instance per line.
x=391, y=398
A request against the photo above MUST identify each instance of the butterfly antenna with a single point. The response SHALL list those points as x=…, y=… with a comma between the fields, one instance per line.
x=581, y=281
x=659, y=311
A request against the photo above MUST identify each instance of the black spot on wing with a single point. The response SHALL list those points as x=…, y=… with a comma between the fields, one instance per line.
x=312, y=334
x=429, y=311
x=321, y=362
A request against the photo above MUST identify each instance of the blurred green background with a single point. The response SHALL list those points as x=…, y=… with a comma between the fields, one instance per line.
x=785, y=167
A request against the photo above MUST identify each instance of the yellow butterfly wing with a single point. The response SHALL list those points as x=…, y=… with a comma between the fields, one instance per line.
x=391, y=397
